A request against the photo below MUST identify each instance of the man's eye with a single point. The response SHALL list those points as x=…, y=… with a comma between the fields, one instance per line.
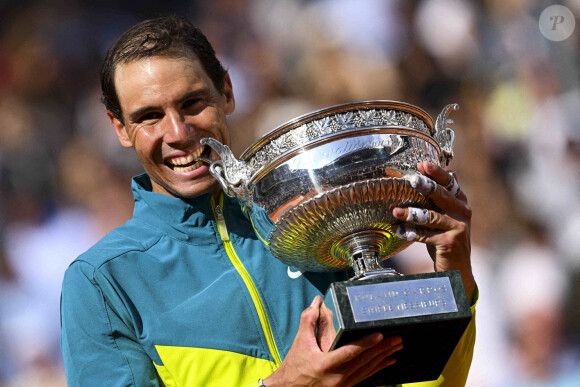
x=152, y=116
x=191, y=103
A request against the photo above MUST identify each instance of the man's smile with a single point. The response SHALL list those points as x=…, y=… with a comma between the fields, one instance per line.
x=188, y=162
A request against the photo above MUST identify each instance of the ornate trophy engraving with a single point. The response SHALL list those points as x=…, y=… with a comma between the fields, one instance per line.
x=319, y=192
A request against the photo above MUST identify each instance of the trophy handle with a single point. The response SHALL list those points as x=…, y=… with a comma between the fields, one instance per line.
x=444, y=135
x=232, y=174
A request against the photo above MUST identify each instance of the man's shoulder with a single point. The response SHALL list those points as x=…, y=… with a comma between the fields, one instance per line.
x=133, y=236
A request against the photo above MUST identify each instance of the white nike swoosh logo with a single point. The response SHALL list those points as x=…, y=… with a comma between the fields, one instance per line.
x=294, y=274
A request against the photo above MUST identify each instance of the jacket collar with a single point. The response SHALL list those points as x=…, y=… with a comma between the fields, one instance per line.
x=190, y=220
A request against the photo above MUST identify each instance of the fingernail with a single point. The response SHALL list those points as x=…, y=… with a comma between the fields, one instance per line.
x=315, y=301
x=398, y=212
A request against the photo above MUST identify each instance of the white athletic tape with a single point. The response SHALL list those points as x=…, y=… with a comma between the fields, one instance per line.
x=405, y=232
x=453, y=186
x=418, y=215
x=421, y=183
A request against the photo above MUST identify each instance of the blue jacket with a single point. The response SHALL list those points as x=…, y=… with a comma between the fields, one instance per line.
x=183, y=294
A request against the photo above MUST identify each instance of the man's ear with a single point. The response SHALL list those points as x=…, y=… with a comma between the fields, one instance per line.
x=121, y=131
x=228, y=94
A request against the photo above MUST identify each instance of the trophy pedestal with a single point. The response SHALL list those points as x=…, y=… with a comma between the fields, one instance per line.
x=429, y=311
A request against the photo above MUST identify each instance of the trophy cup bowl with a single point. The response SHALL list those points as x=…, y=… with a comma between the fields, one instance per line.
x=319, y=191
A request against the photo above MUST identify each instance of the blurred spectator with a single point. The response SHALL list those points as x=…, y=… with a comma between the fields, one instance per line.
x=534, y=284
x=39, y=252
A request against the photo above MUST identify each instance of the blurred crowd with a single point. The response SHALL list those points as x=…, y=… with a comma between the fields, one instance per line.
x=65, y=180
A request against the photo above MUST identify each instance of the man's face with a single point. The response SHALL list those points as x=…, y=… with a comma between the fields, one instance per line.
x=169, y=105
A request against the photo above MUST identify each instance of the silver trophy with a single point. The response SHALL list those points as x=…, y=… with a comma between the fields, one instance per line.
x=319, y=191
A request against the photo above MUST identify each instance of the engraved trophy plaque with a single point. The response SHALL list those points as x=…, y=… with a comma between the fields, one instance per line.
x=319, y=192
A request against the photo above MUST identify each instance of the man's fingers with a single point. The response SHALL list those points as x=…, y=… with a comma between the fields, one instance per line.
x=316, y=302
x=446, y=179
x=422, y=184
x=453, y=186
x=309, y=317
x=441, y=197
x=366, y=348
x=424, y=217
x=427, y=186
x=326, y=331
x=352, y=350
x=413, y=234
x=435, y=172
x=416, y=215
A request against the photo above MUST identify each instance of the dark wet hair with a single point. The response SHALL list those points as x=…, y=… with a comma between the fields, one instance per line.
x=171, y=36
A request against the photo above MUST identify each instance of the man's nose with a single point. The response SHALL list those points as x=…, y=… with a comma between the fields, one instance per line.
x=176, y=130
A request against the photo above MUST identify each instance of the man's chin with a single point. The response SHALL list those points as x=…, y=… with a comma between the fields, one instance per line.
x=198, y=189
x=188, y=190
x=213, y=188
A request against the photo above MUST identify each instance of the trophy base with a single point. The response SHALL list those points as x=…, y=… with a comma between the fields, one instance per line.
x=429, y=311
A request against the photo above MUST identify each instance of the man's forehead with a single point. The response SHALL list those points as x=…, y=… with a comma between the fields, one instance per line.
x=161, y=58
x=159, y=70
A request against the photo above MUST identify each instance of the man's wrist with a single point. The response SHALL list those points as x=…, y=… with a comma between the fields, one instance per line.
x=261, y=383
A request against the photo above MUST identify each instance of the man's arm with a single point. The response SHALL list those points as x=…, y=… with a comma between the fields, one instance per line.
x=98, y=349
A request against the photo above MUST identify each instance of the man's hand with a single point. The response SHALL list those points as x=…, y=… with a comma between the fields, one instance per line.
x=309, y=363
x=446, y=233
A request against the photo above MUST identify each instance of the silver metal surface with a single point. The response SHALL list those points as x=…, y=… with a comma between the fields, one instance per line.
x=389, y=300
x=320, y=188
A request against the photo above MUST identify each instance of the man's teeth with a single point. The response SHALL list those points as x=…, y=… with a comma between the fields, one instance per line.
x=190, y=168
x=187, y=159
x=181, y=164
x=183, y=160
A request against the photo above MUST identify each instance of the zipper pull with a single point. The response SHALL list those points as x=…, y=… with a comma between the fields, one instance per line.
x=219, y=213
x=221, y=223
